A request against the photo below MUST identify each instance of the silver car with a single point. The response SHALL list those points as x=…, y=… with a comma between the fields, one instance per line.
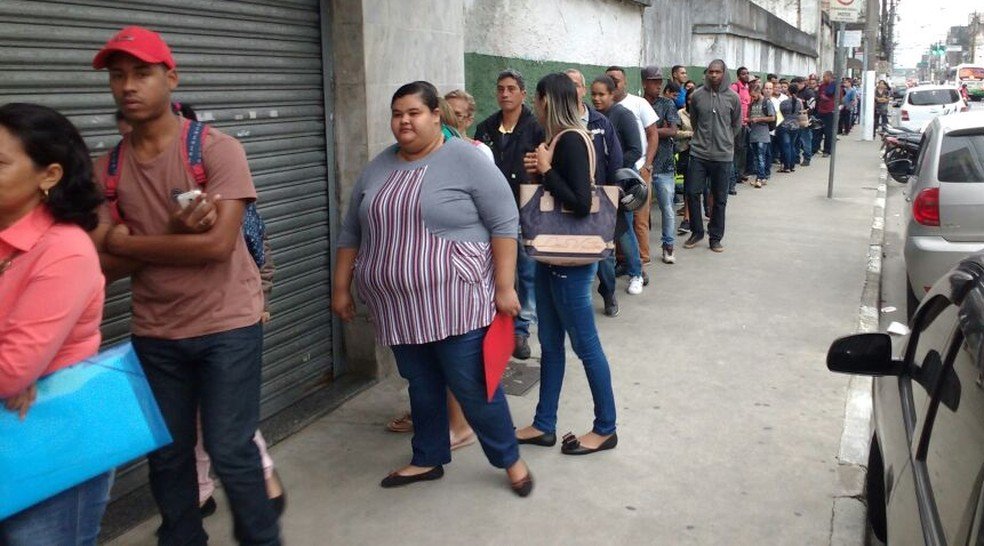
x=945, y=216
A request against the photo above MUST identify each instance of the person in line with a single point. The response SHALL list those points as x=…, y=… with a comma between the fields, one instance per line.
x=761, y=114
x=608, y=152
x=564, y=293
x=768, y=93
x=51, y=295
x=716, y=114
x=197, y=298
x=664, y=166
x=826, y=102
x=626, y=128
x=740, y=87
x=678, y=74
x=883, y=96
x=511, y=133
x=684, y=134
x=849, y=100
x=803, y=151
x=788, y=130
x=648, y=134
x=430, y=239
x=463, y=105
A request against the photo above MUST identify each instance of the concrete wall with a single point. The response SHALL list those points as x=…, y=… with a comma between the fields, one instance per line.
x=598, y=32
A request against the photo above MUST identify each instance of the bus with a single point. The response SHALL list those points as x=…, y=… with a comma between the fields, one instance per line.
x=971, y=75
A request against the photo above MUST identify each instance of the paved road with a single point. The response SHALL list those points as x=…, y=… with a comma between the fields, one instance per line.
x=729, y=422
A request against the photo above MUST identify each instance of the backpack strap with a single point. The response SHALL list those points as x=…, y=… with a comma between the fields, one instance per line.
x=113, y=180
x=193, y=134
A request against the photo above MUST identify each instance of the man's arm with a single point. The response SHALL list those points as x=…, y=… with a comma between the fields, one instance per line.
x=113, y=267
x=214, y=245
x=652, y=143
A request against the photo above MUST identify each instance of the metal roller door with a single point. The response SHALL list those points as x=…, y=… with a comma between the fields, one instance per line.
x=254, y=70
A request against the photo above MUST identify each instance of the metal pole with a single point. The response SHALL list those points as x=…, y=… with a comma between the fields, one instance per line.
x=839, y=61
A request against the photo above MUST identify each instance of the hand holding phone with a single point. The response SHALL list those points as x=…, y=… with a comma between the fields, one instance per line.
x=187, y=198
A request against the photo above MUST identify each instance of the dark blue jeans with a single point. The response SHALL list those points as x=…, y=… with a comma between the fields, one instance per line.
x=71, y=517
x=786, y=142
x=804, y=144
x=525, y=270
x=717, y=174
x=221, y=374
x=454, y=363
x=564, y=298
x=762, y=157
x=633, y=263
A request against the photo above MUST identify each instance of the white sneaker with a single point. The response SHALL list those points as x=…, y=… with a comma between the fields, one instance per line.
x=635, y=286
x=668, y=257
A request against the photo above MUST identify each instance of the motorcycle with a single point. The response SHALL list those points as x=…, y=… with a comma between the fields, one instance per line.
x=900, y=148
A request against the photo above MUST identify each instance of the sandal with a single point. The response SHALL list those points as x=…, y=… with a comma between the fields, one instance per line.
x=403, y=423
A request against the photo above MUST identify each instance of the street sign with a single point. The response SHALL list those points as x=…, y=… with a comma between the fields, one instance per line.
x=846, y=11
x=954, y=48
x=851, y=38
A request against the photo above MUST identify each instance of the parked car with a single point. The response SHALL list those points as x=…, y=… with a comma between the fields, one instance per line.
x=945, y=217
x=926, y=461
x=898, y=93
x=924, y=103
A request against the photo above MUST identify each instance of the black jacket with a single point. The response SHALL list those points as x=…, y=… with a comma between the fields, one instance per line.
x=508, y=151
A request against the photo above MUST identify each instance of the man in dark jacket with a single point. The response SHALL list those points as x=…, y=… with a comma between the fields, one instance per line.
x=511, y=133
x=716, y=116
x=804, y=139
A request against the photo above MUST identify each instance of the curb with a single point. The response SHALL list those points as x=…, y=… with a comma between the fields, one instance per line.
x=848, y=525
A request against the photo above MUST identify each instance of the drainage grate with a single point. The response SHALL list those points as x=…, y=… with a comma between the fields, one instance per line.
x=520, y=377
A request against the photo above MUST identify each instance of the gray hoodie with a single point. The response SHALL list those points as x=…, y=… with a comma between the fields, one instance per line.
x=716, y=117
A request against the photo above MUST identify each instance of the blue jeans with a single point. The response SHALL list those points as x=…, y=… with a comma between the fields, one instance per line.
x=564, y=294
x=454, y=363
x=71, y=517
x=786, y=138
x=525, y=271
x=717, y=175
x=805, y=143
x=221, y=374
x=664, y=186
x=633, y=262
x=761, y=151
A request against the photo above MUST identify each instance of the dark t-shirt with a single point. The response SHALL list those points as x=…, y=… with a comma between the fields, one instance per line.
x=668, y=116
x=627, y=128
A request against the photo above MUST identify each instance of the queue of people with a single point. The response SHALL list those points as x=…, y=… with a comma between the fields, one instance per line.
x=431, y=239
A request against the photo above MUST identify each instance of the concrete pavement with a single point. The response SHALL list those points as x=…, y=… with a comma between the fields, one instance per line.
x=730, y=424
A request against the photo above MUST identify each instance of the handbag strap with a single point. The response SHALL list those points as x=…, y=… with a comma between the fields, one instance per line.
x=592, y=161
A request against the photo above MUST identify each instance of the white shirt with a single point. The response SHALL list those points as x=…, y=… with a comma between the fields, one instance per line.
x=775, y=103
x=645, y=115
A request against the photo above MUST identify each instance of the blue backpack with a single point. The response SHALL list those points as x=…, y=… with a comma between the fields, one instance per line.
x=193, y=135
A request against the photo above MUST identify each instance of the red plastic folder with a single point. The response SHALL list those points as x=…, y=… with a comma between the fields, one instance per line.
x=497, y=348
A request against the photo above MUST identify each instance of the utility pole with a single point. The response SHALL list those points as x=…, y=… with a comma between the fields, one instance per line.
x=839, y=61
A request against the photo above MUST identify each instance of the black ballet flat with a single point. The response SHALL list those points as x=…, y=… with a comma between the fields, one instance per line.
x=572, y=446
x=396, y=480
x=547, y=439
x=523, y=487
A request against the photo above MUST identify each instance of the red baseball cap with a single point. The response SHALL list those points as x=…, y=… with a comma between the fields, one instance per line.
x=146, y=45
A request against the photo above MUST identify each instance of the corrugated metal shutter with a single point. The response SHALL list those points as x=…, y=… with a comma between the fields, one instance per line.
x=254, y=70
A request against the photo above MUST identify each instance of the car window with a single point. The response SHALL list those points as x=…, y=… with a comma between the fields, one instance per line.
x=955, y=454
x=933, y=97
x=962, y=158
x=923, y=150
x=925, y=357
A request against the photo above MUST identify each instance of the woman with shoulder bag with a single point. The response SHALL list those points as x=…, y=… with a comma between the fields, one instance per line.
x=51, y=295
x=564, y=292
x=789, y=129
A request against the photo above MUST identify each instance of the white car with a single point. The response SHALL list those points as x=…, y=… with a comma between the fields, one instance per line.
x=925, y=103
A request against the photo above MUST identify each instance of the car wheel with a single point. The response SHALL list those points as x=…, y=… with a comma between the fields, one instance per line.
x=875, y=485
x=911, y=301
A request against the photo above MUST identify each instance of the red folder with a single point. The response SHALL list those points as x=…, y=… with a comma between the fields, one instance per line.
x=497, y=348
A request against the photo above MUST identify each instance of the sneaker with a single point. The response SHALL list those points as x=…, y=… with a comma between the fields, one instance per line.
x=732, y=192
x=825, y=154
x=692, y=241
x=635, y=286
x=522, y=350
x=805, y=163
x=684, y=227
x=668, y=257
x=645, y=278
x=716, y=246
x=621, y=270
x=611, y=306
x=765, y=181
x=757, y=184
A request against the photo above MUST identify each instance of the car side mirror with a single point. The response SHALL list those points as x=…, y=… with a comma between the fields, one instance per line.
x=863, y=354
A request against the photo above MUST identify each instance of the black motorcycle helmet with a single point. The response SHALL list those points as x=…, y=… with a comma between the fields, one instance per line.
x=634, y=192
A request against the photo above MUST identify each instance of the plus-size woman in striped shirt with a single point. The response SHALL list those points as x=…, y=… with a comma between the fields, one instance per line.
x=430, y=235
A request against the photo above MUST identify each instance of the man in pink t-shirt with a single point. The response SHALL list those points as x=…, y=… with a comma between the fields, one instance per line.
x=741, y=136
x=196, y=290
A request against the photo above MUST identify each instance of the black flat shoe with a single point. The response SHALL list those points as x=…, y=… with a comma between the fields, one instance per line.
x=207, y=508
x=523, y=487
x=396, y=480
x=279, y=504
x=547, y=439
x=572, y=446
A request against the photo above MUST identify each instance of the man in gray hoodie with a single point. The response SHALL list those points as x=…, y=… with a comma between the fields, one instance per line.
x=715, y=112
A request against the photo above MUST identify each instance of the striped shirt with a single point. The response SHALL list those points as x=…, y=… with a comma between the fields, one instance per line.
x=422, y=229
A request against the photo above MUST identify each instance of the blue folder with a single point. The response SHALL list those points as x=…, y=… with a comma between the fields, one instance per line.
x=88, y=419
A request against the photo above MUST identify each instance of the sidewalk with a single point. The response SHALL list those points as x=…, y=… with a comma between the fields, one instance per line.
x=729, y=422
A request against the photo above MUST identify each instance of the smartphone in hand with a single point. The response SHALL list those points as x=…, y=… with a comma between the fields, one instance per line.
x=187, y=198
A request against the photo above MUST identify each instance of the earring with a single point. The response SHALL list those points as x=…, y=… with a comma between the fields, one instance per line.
x=44, y=195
